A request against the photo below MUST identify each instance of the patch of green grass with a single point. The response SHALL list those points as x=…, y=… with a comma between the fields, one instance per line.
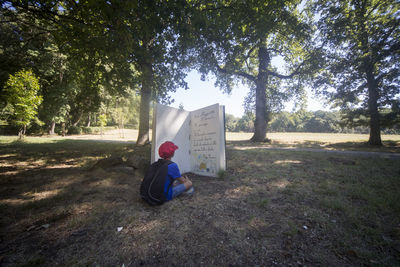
x=333, y=204
x=36, y=260
x=291, y=229
x=263, y=203
x=221, y=174
x=259, y=201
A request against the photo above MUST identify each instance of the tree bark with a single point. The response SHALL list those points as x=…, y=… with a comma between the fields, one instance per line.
x=63, y=129
x=368, y=68
x=52, y=127
x=20, y=133
x=260, y=124
x=76, y=119
x=89, y=120
x=374, y=122
x=145, y=97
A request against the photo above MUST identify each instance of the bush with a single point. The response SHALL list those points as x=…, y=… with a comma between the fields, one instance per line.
x=35, y=129
x=74, y=130
x=87, y=130
x=8, y=130
x=221, y=174
x=130, y=126
x=95, y=130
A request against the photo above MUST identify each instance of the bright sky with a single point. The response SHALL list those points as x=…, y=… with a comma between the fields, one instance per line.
x=203, y=93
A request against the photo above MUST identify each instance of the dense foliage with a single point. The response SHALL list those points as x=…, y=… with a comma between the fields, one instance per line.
x=301, y=121
x=21, y=99
x=102, y=63
x=92, y=56
x=238, y=40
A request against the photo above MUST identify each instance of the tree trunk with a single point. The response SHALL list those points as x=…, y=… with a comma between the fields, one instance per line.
x=89, y=120
x=20, y=133
x=76, y=119
x=145, y=97
x=260, y=124
x=368, y=67
x=374, y=123
x=52, y=127
x=63, y=129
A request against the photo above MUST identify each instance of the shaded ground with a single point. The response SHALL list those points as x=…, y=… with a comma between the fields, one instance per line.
x=272, y=207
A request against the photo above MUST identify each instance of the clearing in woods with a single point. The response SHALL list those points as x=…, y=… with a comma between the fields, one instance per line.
x=75, y=202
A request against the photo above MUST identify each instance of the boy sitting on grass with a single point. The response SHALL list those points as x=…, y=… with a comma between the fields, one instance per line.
x=163, y=181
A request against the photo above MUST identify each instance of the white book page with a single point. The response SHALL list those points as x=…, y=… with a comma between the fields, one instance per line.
x=171, y=124
x=200, y=136
x=205, y=140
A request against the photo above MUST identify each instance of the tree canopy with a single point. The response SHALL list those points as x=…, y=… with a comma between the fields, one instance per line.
x=237, y=42
x=104, y=59
x=102, y=48
x=362, y=60
x=22, y=99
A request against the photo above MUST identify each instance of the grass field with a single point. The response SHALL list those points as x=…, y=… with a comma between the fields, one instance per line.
x=312, y=137
x=271, y=207
x=327, y=141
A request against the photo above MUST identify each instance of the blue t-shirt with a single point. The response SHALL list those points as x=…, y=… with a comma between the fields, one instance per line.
x=173, y=173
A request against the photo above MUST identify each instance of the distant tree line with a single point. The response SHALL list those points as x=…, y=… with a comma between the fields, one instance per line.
x=112, y=111
x=301, y=121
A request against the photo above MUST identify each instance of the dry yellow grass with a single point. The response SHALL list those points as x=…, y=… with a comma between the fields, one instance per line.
x=315, y=140
x=286, y=138
x=311, y=137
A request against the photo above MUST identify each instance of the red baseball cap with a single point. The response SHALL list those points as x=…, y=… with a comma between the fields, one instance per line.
x=167, y=149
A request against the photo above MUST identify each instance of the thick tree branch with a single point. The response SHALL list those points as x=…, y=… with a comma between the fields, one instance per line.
x=361, y=87
x=275, y=50
x=295, y=72
x=34, y=36
x=8, y=21
x=390, y=51
x=385, y=74
x=248, y=56
x=251, y=50
x=387, y=35
x=368, y=15
x=238, y=73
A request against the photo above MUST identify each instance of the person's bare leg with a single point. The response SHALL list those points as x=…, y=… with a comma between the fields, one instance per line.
x=188, y=184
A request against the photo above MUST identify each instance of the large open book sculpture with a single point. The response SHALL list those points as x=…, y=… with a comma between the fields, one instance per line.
x=199, y=134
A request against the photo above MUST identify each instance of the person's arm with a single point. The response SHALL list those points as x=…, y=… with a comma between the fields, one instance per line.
x=184, y=180
x=181, y=178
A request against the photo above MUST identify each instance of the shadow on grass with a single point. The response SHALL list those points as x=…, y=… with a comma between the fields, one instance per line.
x=50, y=196
x=60, y=145
x=388, y=146
x=272, y=208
